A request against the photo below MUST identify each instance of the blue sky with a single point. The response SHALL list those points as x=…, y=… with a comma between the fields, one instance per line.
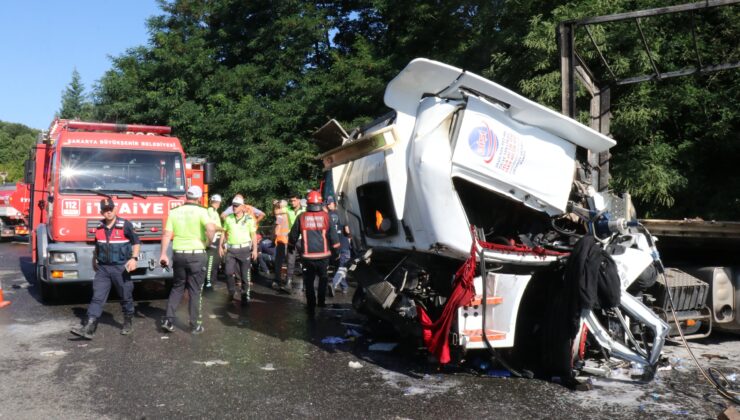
x=42, y=42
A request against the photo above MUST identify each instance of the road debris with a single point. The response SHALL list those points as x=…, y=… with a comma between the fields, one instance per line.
x=352, y=333
x=53, y=353
x=333, y=340
x=382, y=346
x=210, y=363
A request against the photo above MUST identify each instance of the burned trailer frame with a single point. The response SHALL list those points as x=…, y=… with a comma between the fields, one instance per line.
x=462, y=151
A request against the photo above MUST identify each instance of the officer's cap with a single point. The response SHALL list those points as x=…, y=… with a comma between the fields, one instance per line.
x=107, y=204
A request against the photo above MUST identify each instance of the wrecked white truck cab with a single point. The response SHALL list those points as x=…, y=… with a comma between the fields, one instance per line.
x=466, y=172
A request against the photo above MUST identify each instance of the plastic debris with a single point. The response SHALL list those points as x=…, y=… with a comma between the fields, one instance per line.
x=413, y=390
x=682, y=412
x=731, y=377
x=210, y=363
x=268, y=367
x=482, y=364
x=355, y=365
x=164, y=337
x=53, y=353
x=353, y=333
x=678, y=363
x=382, y=346
x=499, y=373
x=655, y=396
x=214, y=316
x=637, y=369
x=333, y=340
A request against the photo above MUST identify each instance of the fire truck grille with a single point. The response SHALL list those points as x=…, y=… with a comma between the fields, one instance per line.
x=146, y=229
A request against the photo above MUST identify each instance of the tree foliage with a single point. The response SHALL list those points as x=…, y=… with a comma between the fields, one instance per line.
x=676, y=138
x=75, y=104
x=246, y=83
x=15, y=143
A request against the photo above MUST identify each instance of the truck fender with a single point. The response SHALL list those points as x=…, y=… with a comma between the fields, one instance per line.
x=42, y=244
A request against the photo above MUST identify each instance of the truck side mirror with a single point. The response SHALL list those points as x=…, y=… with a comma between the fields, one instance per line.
x=29, y=171
x=209, y=173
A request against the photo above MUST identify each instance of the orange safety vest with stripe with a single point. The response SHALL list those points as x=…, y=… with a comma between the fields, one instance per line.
x=282, y=228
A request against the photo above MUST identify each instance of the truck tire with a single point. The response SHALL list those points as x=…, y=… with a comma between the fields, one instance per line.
x=47, y=292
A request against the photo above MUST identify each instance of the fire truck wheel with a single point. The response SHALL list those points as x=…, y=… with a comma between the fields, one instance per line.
x=48, y=293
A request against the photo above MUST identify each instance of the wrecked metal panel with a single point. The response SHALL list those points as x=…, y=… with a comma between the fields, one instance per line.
x=524, y=163
x=422, y=76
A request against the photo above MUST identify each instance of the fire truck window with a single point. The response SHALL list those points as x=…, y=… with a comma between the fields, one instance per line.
x=376, y=208
x=139, y=171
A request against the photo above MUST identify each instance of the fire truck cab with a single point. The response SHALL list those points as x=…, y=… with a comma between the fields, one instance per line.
x=75, y=165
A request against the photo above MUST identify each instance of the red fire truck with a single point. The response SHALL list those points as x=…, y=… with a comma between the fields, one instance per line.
x=75, y=165
x=14, y=199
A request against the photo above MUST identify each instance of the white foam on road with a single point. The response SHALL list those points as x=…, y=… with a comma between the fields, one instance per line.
x=427, y=385
x=209, y=363
x=621, y=396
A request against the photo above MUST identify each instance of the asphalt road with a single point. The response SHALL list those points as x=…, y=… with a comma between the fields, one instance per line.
x=267, y=360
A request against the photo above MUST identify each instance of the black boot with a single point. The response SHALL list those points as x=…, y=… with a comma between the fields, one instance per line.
x=128, y=325
x=87, y=330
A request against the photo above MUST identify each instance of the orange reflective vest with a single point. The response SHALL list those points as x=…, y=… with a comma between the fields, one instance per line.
x=282, y=228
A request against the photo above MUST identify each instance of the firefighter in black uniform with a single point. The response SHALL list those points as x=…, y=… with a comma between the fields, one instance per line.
x=317, y=239
x=115, y=256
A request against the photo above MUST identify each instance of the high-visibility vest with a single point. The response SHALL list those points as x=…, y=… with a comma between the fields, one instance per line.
x=282, y=228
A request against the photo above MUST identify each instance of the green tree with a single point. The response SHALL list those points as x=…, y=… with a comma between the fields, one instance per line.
x=74, y=100
x=15, y=144
x=676, y=138
x=246, y=83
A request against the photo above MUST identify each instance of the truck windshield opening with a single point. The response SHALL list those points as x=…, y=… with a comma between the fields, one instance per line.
x=112, y=170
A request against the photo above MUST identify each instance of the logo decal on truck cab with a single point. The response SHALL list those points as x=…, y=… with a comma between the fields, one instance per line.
x=483, y=142
x=505, y=152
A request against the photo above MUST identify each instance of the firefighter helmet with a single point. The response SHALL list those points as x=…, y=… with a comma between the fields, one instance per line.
x=314, y=197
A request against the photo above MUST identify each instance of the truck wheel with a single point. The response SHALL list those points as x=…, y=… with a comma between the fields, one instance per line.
x=48, y=293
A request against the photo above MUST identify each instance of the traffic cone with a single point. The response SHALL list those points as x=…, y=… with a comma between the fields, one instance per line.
x=3, y=302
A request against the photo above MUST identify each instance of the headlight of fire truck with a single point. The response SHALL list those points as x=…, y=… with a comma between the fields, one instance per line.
x=62, y=257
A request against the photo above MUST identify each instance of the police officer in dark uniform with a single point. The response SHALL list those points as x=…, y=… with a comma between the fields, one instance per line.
x=317, y=239
x=115, y=256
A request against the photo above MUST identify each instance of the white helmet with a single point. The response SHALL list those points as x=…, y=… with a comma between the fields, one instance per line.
x=216, y=198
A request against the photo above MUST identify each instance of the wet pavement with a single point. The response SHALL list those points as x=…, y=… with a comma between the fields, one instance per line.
x=267, y=360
